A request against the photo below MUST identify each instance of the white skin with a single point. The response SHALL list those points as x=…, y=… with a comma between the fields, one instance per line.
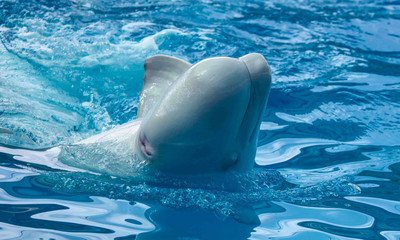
x=192, y=119
x=208, y=119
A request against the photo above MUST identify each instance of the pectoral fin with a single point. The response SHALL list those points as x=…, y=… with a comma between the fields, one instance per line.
x=160, y=73
x=246, y=216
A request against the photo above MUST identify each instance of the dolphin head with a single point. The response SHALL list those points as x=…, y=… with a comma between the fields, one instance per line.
x=204, y=117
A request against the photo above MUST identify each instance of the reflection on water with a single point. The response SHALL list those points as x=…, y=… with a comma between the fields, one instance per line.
x=328, y=153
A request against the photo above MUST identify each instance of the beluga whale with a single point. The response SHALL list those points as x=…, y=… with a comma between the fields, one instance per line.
x=191, y=119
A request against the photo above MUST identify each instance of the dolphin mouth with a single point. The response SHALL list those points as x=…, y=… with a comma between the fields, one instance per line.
x=145, y=146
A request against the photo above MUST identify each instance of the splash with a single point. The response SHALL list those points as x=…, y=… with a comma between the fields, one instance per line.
x=222, y=193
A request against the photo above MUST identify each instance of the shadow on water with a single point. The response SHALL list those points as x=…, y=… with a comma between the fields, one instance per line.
x=191, y=223
x=178, y=206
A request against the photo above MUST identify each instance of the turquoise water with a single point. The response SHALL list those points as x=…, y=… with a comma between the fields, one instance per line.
x=327, y=164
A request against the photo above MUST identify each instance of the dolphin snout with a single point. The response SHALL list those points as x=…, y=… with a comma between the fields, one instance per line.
x=145, y=146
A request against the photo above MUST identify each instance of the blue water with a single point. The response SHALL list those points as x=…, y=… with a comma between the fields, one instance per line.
x=328, y=157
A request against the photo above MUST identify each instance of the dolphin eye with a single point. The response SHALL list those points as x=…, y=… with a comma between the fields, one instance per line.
x=145, y=145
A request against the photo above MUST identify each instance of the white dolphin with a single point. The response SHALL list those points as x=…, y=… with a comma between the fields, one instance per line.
x=192, y=119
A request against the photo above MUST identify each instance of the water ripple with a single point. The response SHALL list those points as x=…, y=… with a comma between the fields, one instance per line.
x=73, y=68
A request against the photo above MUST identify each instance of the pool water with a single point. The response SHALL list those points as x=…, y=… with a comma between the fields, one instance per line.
x=328, y=157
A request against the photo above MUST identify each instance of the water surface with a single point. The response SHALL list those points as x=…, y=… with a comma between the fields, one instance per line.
x=327, y=165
